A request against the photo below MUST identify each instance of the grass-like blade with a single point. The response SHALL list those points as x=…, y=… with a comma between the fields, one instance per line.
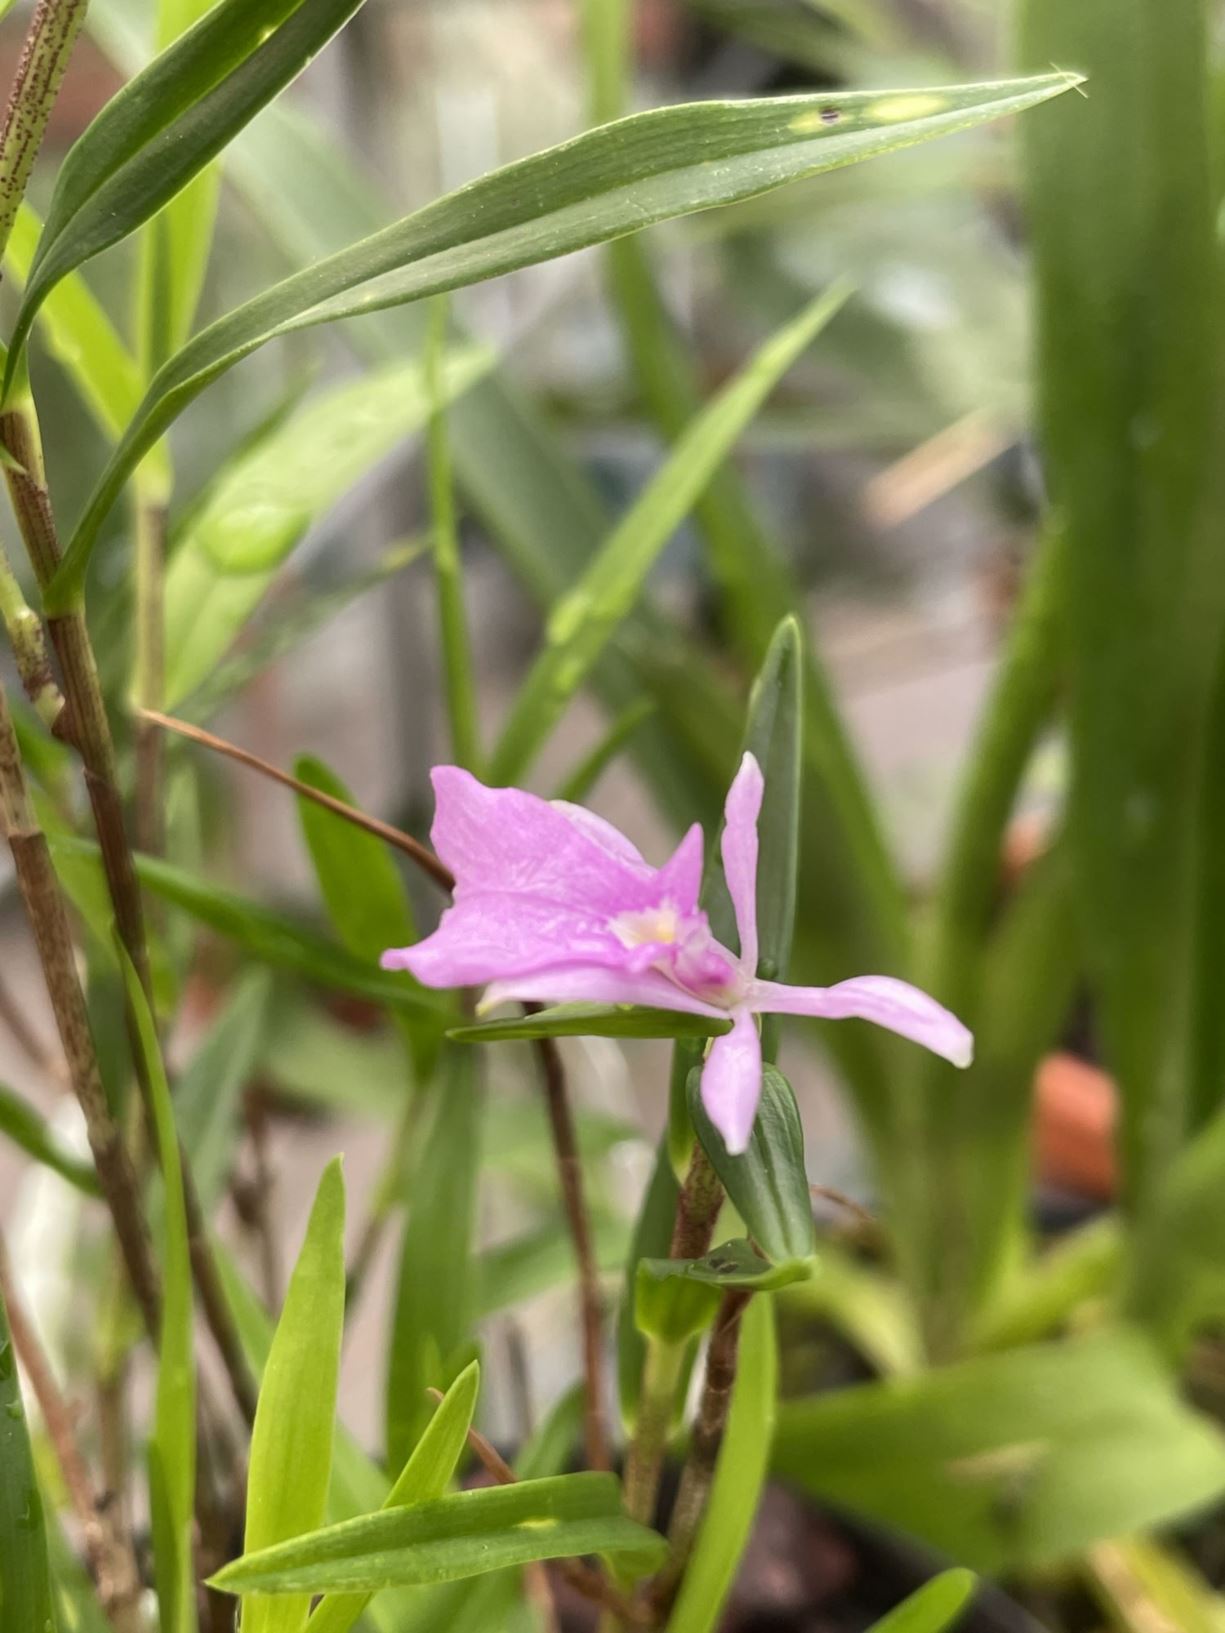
x=592, y=1021
x=932, y=1608
x=436, y=1287
x=465, y=1534
x=291, y=1444
x=599, y=186
x=424, y=1477
x=582, y=623
x=24, y=1571
x=172, y=1448
x=28, y=1129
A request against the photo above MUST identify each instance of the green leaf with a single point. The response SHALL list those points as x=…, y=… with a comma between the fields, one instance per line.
x=435, y=1293
x=272, y=937
x=1128, y=332
x=465, y=1534
x=1011, y=1461
x=172, y=1448
x=1175, y=1272
x=772, y=735
x=670, y=1308
x=206, y=1097
x=582, y=623
x=425, y=1476
x=291, y=1444
x=263, y=503
x=35, y=1136
x=165, y=125
x=768, y=1185
x=80, y=336
x=26, y=1584
x=934, y=1607
x=1206, y=1066
x=592, y=1021
x=364, y=893
x=611, y=181
x=734, y=1264
x=740, y=1477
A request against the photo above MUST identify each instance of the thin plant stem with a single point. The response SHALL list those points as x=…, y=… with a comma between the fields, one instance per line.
x=36, y=84
x=110, y=1553
x=413, y=848
x=578, y=1222
x=457, y=666
x=49, y=922
x=149, y=670
x=88, y=727
x=38, y=1053
x=699, y=1472
x=697, y=1212
x=255, y=1196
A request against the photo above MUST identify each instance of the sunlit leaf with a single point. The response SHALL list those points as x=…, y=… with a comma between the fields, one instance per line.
x=291, y=1444
x=23, y=1535
x=465, y=1534
x=618, y=179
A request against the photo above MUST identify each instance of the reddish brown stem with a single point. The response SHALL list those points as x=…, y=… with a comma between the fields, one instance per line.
x=112, y=1559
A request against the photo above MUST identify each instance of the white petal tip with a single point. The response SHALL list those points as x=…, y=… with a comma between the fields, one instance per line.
x=962, y=1054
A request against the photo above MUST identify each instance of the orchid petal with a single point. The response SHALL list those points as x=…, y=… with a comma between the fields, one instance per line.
x=491, y=934
x=878, y=998
x=739, y=850
x=680, y=879
x=603, y=833
x=731, y=1081
x=507, y=842
x=583, y=984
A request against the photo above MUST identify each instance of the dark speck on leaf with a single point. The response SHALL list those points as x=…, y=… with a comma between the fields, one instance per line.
x=830, y=116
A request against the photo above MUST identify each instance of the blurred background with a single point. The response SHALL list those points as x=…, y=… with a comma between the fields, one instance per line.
x=894, y=468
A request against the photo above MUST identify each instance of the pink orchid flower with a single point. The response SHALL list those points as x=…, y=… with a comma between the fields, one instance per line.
x=552, y=904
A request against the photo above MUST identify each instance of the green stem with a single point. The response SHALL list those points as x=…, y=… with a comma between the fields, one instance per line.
x=149, y=670
x=36, y=84
x=697, y=1210
x=457, y=664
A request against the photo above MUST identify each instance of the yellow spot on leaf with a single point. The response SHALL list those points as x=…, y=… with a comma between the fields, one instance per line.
x=892, y=110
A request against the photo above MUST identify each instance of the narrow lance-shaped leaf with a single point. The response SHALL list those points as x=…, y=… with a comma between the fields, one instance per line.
x=435, y=1294
x=936, y=1606
x=425, y=1476
x=175, y=247
x=29, y=1130
x=291, y=1444
x=465, y=1534
x=172, y=1450
x=740, y=1477
x=364, y=895
x=165, y=125
x=24, y=1577
x=592, y=1021
x=611, y=181
x=583, y=622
